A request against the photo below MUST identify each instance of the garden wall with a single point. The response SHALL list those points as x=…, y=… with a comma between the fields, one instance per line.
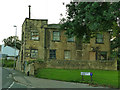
x=77, y=64
x=72, y=64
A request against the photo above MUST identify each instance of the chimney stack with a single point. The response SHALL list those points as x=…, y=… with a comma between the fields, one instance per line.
x=29, y=11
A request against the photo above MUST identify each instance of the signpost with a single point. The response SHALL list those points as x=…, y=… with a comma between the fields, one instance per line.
x=87, y=74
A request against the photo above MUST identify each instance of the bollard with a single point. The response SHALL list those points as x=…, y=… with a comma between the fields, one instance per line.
x=28, y=73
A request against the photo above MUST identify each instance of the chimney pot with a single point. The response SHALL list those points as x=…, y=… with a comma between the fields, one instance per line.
x=29, y=11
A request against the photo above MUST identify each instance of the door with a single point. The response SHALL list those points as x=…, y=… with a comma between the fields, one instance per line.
x=92, y=55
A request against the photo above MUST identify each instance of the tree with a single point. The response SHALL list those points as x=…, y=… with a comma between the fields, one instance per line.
x=12, y=41
x=88, y=18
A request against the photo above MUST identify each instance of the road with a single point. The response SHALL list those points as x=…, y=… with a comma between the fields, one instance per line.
x=0, y=76
x=8, y=81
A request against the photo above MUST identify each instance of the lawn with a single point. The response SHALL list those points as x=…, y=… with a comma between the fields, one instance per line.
x=100, y=77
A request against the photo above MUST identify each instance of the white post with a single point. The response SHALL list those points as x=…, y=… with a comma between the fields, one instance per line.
x=15, y=46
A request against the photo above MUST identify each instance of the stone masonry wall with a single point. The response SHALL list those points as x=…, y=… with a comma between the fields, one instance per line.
x=72, y=64
x=76, y=64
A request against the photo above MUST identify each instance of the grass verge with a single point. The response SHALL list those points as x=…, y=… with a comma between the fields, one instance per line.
x=8, y=63
x=100, y=77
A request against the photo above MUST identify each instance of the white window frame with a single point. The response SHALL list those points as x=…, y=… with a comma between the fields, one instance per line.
x=34, y=35
x=66, y=54
x=99, y=39
x=71, y=39
x=56, y=36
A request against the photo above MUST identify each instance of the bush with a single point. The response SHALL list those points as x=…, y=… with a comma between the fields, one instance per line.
x=113, y=55
x=8, y=63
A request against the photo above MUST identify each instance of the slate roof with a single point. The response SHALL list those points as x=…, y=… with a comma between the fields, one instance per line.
x=53, y=26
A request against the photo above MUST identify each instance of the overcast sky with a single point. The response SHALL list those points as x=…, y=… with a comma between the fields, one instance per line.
x=14, y=12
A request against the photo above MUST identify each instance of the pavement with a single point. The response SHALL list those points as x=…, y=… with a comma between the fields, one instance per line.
x=32, y=82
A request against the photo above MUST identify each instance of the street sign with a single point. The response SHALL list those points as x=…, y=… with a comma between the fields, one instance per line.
x=87, y=74
x=91, y=73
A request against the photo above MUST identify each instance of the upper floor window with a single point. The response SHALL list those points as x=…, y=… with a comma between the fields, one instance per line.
x=99, y=38
x=67, y=54
x=34, y=36
x=72, y=39
x=34, y=53
x=56, y=35
x=52, y=54
x=44, y=22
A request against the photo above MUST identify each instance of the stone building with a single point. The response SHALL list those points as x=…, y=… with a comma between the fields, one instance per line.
x=33, y=41
x=98, y=48
x=59, y=46
x=43, y=41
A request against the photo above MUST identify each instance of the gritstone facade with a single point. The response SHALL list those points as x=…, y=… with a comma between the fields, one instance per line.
x=43, y=41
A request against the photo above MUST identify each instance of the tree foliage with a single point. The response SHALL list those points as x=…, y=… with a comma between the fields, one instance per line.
x=12, y=41
x=88, y=18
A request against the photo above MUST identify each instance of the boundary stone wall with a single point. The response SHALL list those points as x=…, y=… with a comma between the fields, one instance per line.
x=73, y=64
x=77, y=64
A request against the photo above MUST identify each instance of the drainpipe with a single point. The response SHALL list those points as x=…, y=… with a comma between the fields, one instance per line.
x=45, y=45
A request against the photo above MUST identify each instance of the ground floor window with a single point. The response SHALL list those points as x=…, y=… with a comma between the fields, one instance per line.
x=34, y=53
x=72, y=39
x=67, y=54
x=52, y=54
x=102, y=55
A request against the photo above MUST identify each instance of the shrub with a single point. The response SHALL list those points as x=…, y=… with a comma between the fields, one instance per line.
x=7, y=63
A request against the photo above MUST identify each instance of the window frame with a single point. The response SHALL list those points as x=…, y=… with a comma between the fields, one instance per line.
x=52, y=53
x=34, y=36
x=101, y=38
x=69, y=55
x=34, y=53
x=54, y=36
x=69, y=39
